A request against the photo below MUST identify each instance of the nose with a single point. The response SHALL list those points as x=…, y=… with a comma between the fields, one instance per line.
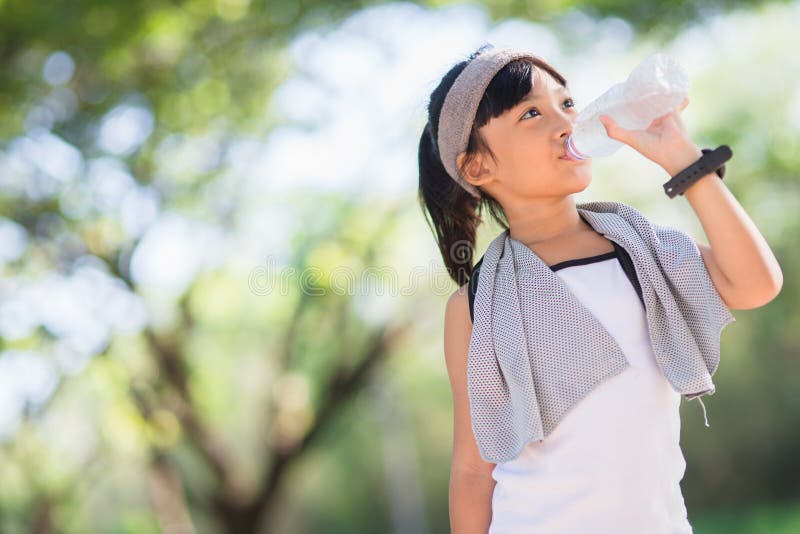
x=565, y=128
x=564, y=124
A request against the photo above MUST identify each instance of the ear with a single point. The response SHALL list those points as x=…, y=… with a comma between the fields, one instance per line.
x=479, y=171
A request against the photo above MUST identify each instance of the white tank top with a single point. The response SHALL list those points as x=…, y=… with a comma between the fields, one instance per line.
x=614, y=462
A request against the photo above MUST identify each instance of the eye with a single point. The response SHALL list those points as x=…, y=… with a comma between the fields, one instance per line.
x=571, y=101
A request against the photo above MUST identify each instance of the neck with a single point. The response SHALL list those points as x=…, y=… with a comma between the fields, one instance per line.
x=541, y=221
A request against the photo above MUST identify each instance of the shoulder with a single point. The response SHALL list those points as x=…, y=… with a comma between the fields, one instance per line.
x=457, y=317
x=461, y=301
x=457, y=331
x=457, y=304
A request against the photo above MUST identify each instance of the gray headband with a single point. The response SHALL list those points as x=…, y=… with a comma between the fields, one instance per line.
x=461, y=104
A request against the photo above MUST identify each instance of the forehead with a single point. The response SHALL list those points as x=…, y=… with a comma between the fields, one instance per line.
x=543, y=83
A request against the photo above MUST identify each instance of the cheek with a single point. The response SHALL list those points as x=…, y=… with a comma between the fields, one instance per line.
x=533, y=152
x=530, y=162
x=541, y=173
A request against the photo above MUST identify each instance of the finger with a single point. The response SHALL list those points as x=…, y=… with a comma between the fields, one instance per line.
x=614, y=130
x=684, y=104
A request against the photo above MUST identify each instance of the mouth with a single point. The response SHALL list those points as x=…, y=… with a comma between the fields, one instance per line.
x=566, y=157
x=570, y=160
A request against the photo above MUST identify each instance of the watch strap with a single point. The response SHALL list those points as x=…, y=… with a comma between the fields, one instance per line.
x=710, y=161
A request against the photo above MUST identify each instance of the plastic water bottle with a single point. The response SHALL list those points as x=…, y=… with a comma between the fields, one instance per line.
x=654, y=88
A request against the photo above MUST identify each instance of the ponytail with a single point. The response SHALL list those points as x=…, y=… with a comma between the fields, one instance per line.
x=451, y=211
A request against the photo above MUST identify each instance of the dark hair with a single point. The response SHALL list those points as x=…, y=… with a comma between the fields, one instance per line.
x=451, y=212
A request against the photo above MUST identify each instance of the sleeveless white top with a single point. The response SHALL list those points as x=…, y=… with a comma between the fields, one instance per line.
x=614, y=463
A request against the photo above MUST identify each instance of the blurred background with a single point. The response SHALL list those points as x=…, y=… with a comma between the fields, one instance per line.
x=221, y=309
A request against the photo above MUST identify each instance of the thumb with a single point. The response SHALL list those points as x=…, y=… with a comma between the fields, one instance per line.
x=614, y=130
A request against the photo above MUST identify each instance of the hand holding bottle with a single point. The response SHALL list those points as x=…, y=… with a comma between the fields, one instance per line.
x=656, y=86
x=663, y=138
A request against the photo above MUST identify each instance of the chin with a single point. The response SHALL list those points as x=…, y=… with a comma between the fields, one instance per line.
x=580, y=181
x=580, y=189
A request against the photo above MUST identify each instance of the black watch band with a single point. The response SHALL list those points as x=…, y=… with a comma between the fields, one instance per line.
x=710, y=161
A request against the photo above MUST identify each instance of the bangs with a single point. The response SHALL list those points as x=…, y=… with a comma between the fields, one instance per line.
x=510, y=86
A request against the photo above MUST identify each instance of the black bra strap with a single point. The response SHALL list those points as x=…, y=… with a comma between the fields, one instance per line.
x=627, y=266
x=473, y=287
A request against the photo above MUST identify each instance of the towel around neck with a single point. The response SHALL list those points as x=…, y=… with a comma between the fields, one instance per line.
x=535, y=350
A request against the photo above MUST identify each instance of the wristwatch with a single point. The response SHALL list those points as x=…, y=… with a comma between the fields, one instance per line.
x=710, y=161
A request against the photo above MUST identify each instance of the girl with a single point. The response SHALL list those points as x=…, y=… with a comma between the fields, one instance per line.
x=567, y=386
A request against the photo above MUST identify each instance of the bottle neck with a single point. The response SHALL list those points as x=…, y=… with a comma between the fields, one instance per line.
x=573, y=152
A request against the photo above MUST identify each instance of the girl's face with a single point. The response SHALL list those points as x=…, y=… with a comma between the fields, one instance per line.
x=528, y=141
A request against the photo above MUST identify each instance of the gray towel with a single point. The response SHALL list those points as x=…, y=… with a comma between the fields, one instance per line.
x=536, y=351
